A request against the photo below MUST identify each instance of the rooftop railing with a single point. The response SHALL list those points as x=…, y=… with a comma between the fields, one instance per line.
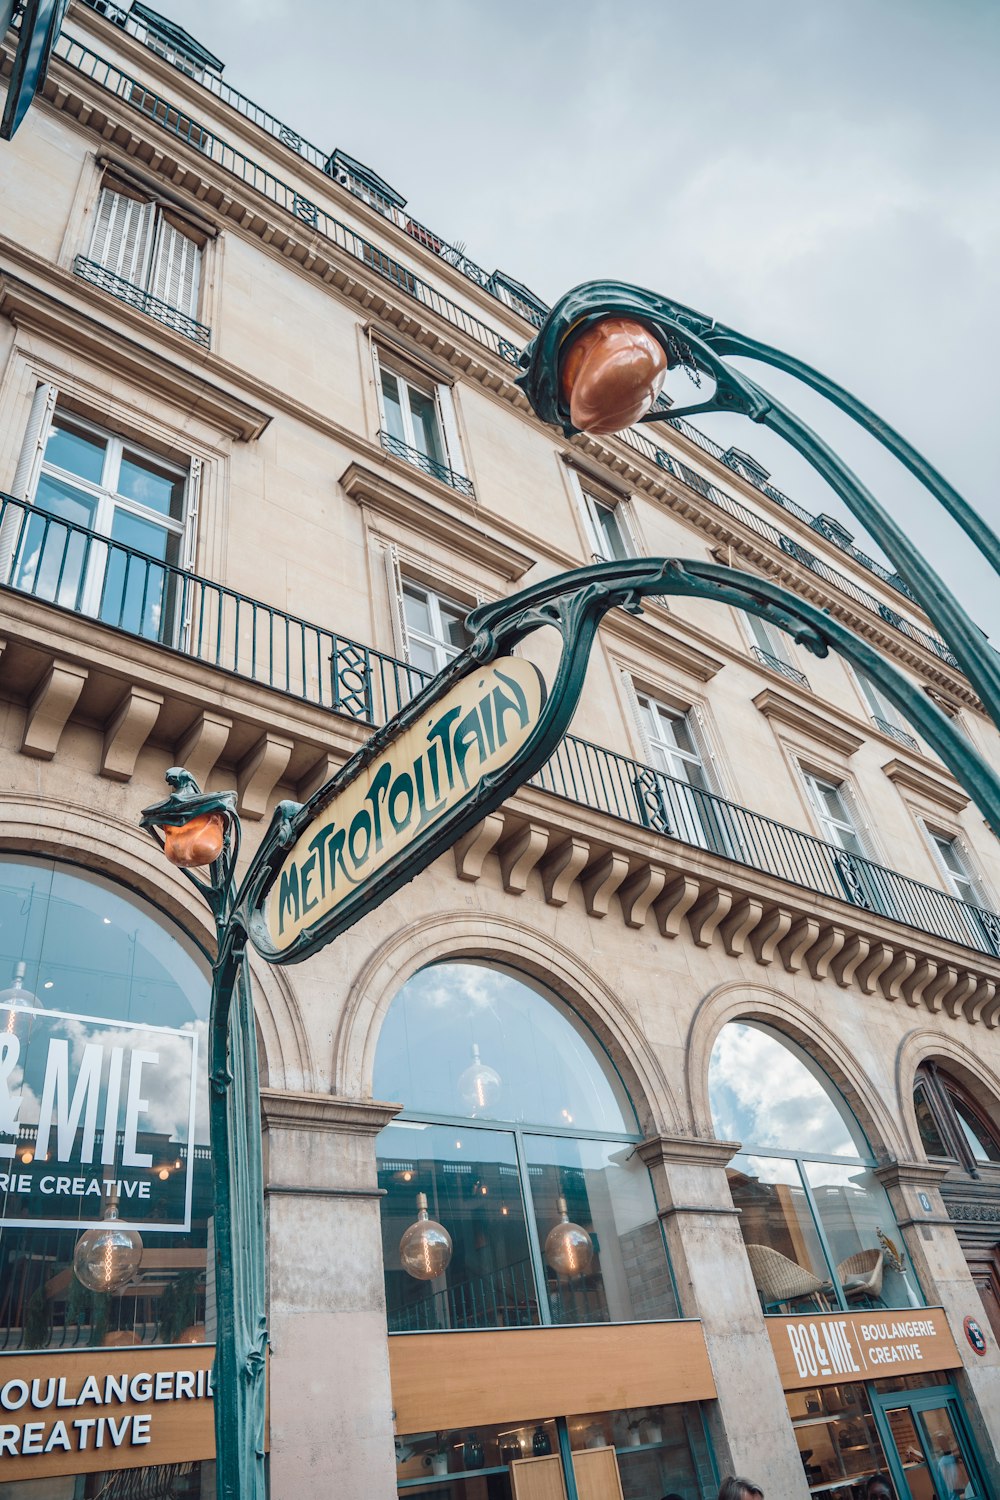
x=137, y=297
x=149, y=598
x=109, y=76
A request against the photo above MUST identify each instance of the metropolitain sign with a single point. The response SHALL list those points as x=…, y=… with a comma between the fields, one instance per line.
x=434, y=769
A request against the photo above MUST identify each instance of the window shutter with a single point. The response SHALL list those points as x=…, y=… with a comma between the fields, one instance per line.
x=397, y=607
x=376, y=366
x=584, y=506
x=43, y=404
x=176, y=268
x=862, y=827
x=192, y=499
x=982, y=895
x=625, y=516
x=123, y=234
x=639, y=724
x=703, y=741
x=449, y=427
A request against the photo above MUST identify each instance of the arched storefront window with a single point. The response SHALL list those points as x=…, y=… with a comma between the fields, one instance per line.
x=818, y=1226
x=103, y=1116
x=952, y=1125
x=517, y=1137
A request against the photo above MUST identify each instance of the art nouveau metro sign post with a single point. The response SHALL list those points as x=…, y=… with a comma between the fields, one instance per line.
x=473, y=735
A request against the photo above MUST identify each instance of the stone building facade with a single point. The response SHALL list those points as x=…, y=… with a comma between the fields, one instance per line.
x=720, y=987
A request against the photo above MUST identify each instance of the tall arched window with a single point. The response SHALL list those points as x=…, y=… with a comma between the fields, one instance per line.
x=518, y=1139
x=818, y=1226
x=103, y=1115
x=952, y=1124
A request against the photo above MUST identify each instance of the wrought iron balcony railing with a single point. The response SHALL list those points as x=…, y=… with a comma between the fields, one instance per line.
x=428, y=465
x=259, y=179
x=135, y=296
x=78, y=570
x=777, y=664
x=895, y=733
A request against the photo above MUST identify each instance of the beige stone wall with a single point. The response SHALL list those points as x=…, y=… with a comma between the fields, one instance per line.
x=278, y=412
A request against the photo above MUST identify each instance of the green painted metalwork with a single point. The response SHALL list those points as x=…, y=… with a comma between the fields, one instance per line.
x=694, y=339
x=573, y=604
x=40, y=24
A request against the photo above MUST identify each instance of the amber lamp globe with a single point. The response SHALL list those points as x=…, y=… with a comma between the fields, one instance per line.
x=568, y=1248
x=197, y=842
x=107, y=1258
x=611, y=374
x=425, y=1248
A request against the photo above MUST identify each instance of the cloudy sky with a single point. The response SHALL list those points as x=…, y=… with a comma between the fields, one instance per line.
x=823, y=176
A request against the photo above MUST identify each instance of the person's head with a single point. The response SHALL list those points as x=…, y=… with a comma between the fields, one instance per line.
x=740, y=1489
x=879, y=1488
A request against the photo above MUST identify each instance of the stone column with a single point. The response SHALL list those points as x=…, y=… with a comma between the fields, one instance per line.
x=330, y=1401
x=750, y=1426
x=946, y=1280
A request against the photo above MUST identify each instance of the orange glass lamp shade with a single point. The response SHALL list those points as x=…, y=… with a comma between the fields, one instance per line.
x=611, y=374
x=197, y=842
x=568, y=1248
x=425, y=1248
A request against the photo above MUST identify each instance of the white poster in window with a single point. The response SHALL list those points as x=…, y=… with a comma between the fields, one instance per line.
x=94, y=1113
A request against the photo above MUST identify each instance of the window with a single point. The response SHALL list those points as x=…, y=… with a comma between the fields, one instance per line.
x=146, y=254
x=884, y=714
x=673, y=741
x=819, y=1230
x=435, y=627
x=832, y=804
x=519, y=1135
x=607, y=530
x=418, y=424
x=679, y=802
x=951, y=1123
x=105, y=533
x=956, y=866
x=770, y=646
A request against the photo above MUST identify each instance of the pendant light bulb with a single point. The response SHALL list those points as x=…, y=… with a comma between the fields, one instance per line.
x=568, y=1248
x=107, y=1258
x=425, y=1248
x=479, y=1086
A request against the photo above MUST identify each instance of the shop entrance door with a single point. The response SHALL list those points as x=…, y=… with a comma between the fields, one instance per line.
x=928, y=1445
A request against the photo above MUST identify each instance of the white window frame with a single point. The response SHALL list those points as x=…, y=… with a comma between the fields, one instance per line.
x=767, y=638
x=936, y=836
x=687, y=816
x=154, y=246
x=588, y=505
x=434, y=641
x=876, y=704
x=444, y=409
x=853, y=821
x=33, y=465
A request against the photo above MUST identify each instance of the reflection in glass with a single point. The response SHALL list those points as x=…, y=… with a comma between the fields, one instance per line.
x=544, y=1056
x=660, y=1450
x=930, y=1135
x=52, y=559
x=99, y=969
x=853, y=1207
x=470, y=1180
x=607, y=1193
x=786, y=1257
x=425, y=1248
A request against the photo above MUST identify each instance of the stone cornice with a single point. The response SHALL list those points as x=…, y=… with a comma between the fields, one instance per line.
x=284, y=1109
x=653, y=633
x=184, y=386
x=932, y=788
x=821, y=728
x=464, y=533
x=687, y=1151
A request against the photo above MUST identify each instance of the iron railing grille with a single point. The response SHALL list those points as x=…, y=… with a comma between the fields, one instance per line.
x=895, y=733
x=428, y=465
x=75, y=569
x=135, y=296
x=114, y=80
x=777, y=664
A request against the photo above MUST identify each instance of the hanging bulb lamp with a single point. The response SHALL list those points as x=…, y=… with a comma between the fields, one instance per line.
x=15, y=997
x=425, y=1248
x=107, y=1258
x=568, y=1248
x=480, y=1084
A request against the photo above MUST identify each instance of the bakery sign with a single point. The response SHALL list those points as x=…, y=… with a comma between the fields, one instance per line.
x=101, y=1409
x=834, y=1348
x=93, y=1113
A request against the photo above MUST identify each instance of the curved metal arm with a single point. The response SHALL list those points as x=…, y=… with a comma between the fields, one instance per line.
x=703, y=344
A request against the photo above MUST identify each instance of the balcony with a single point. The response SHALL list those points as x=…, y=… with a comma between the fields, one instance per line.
x=145, y=302
x=426, y=464
x=901, y=736
x=70, y=568
x=784, y=668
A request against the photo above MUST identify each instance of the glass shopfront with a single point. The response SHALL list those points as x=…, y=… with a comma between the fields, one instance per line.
x=819, y=1229
x=105, y=1174
x=517, y=1142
